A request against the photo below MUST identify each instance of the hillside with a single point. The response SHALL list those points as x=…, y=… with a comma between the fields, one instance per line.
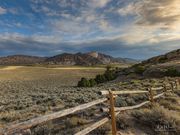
x=159, y=66
x=67, y=59
x=20, y=60
x=168, y=57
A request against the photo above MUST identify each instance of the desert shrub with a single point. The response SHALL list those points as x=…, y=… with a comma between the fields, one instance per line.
x=169, y=105
x=139, y=69
x=75, y=121
x=9, y=116
x=103, y=130
x=177, y=92
x=121, y=121
x=158, y=117
x=140, y=97
x=172, y=72
x=130, y=101
x=120, y=102
x=83, y=83
x=44, y=129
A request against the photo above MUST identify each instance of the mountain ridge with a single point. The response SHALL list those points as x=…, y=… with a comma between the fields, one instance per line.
x=85, y=59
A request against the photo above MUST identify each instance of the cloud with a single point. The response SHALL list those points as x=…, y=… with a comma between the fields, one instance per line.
x=151, y=18
x=163, y=13
x=98, y=3
x=14, y=43
x=159, y=12
x=127, y=10
x=117, y=27
x=2, y=11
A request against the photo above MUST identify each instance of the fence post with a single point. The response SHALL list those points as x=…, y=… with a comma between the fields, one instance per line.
x=112, y=113
x=172, y=86
x=151, y=96
x=165, y=88
x=177, y=84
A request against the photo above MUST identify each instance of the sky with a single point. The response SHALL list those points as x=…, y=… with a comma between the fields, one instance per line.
x=136, y=29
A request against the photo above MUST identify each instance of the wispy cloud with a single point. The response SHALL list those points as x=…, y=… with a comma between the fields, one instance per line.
x=2, y=11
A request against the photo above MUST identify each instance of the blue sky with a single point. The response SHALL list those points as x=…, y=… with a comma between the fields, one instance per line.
x=122, y=28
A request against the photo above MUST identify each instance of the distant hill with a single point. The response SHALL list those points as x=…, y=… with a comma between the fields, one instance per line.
x=128, y=60
x=168, y=57
x=86, y=59
x=20, y=60
x=159, y=66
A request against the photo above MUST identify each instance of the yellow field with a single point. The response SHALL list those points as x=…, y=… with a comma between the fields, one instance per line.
x=67, y=76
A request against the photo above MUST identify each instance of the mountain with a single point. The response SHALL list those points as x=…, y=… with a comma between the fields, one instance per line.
x=72, y=59
x=86, y=59
x=90, y=58
x=20, y=60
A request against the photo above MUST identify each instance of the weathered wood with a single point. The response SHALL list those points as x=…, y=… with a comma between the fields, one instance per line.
x=94, y=126
x=117, y=109
x=151, y=99
x=178, y=85
x=157, y=88
x=123, y=92
x=33, y=122
x=172, y=86
x=165, y=87
x=112, y=113
x=159, y=95
x=131, y=107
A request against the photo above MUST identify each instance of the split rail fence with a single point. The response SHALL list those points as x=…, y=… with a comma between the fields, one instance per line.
x=24, y=127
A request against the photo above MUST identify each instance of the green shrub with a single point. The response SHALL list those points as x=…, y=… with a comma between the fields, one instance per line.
x=92, y=82
x=100, y=79
x=107, y=76
x=84, y=83
x=110, y=75
x=172, y=72
x=139, y=69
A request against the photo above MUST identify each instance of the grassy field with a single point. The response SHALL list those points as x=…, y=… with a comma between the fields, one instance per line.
x=27, y=92
x=66, y=76
x=32, y=91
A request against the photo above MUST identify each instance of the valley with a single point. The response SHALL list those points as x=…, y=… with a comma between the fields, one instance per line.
x=27, y=92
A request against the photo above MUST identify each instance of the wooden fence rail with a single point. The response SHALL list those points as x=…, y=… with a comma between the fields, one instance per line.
x=33, y=122
x=24, y=127
x=123, y=92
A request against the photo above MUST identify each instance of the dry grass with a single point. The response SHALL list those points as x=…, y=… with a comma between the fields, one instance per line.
x=33, y=91
x=27, y=92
